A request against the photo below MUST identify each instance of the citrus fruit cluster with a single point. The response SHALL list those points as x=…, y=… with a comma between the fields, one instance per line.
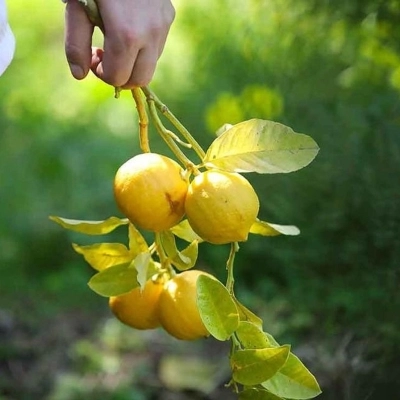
x=171, y=304
x=154, y=192
x=208, y=202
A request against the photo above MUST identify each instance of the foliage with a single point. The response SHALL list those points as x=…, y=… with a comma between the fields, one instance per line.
x=205, y=307
x=332, y=76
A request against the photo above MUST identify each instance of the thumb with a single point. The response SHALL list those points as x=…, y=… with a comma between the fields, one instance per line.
x=78, y=39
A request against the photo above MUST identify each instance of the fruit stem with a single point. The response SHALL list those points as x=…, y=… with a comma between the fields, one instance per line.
x=166, y=136
x=143, y=120
x=178, y=125
x=229, y=266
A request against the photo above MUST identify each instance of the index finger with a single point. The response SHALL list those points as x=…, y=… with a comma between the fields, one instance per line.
x=78, y=39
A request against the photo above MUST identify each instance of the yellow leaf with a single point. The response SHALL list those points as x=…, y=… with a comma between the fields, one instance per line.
x=261, y=146
x=103, y=255
x=90, y=227
x=267, y=229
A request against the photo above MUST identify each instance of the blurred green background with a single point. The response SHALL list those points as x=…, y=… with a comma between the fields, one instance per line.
x=330, y=69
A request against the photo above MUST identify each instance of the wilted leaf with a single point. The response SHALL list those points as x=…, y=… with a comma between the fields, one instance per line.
x=115, y=280
x=90, y=227
x=293, y=381
x=103, y=255
x=267, y=229
x=257, y=394
x=184, y=231
x=253, y=367
x=261, y=146
x=246, y=315
x=251, y=337
x=217, y=309
x=137, y=243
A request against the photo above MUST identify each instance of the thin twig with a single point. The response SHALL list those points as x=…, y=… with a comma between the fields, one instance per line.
x=143, y=120
x=171, y=117
x=166, y=137
x=229, y=266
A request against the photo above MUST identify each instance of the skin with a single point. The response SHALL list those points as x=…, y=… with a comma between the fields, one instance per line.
x=135, y=32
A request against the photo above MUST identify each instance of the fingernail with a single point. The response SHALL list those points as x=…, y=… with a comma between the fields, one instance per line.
x=77, y=71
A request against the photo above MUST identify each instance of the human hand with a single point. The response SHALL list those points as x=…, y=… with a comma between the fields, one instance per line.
x=135, y=32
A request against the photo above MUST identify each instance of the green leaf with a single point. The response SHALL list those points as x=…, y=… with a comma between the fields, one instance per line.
x=184, y=259
x=168, y=243
x=184, y=231
x=103, y=255
x=246, y=315
x=137, y=243
x=267, y=229
x=142, y=263
x=271, y=339
x=217, y=309
x=257, y=394
x=261, y=146
x=293, y=381
x=115, y=280
x=251, y=337
x=253, y=367
x=90, y=227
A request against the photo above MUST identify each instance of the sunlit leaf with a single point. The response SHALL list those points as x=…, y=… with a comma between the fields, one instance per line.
x=184, y=231
x=271, y=339
x=267, y=229
x=217, y=309
x=251, y=337
x=137, y=243
x=257, y=394
x=90, y=227
x=223, y=129
x=261, y=146
x=103, y=255
x=253, y=367
x=115, y=280
x=168, y=243
x=142, y=263
x=293, y=381
x=184, y=259
x=246, y=315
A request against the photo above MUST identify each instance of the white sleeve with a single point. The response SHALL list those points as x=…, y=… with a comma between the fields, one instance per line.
x=7, y=40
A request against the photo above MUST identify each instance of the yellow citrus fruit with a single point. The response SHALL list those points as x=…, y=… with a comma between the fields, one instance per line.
x=221, y=206
x=177, y=307
x=138, y=308
x=150, y=190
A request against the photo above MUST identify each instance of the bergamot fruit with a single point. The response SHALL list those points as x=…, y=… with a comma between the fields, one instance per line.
x=138, y=308
x=177, y=307
x=221, y=206
x=150, y=191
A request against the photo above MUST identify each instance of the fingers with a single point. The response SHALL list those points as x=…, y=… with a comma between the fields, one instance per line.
x=78, y=39
x=135, y=34
x=143, y=69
